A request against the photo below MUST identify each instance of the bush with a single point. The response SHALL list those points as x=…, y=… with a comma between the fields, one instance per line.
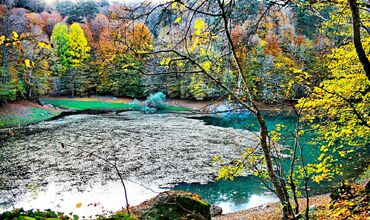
x=153, y=103
x=136, y=105
x=156, y=100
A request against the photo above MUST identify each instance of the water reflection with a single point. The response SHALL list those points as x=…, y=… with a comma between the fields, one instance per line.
x=96, y=199
x=242, y=193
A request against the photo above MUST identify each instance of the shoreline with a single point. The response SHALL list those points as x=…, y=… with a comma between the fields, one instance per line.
x=23, y=113
x=272, y=210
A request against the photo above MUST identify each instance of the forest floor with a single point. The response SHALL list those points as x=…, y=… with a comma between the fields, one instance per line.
x=272, y=210
x=349, y=200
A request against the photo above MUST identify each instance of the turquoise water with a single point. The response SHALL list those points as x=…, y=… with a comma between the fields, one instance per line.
x=248, y=192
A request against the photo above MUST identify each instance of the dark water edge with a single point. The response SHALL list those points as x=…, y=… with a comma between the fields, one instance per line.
x=247, y=192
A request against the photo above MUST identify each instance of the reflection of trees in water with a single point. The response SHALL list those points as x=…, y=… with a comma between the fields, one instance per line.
x=238, y=191
x=248, y=121
x=241, y=189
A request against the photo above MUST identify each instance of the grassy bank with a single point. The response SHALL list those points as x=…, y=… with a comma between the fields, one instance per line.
x=96, y=104
x=24, y=112
x=84, y=105
x=35, y=115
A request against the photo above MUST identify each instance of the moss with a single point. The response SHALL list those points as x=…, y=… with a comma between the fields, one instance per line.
x=118, y=215
x=20, y=214
x=38, y=114
x=172, y=205
x=365, y=176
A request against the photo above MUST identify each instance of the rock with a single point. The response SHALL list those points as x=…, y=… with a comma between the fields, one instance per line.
x=175, y=205
x=215, y=211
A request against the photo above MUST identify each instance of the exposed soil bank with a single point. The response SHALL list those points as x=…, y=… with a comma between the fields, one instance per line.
x=21, y=113
x=272, y=211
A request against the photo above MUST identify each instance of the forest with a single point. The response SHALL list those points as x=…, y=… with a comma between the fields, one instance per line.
x=246, y=57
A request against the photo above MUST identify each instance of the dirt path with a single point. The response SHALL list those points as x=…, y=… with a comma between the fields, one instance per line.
x=271, y=211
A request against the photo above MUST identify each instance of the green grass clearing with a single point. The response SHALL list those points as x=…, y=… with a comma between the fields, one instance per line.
x=37, y=114
x=84, y=105
x=34, y=115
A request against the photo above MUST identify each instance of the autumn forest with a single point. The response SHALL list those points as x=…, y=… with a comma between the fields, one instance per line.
x=257, y=109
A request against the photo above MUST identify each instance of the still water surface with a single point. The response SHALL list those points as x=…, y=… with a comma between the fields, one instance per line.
x=107, y=195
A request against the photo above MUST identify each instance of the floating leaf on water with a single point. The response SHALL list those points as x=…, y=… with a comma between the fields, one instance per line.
x=78, y=205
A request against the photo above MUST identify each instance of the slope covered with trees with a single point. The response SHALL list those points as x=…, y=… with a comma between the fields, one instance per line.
x=313, y=55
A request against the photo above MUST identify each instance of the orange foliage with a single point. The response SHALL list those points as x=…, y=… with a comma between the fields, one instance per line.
x=50, y=21
x=99, y=23
x=140, y=37
x=2, y=10
x=238, y=35
x=88, y=35
x=352, y=202
x=35, y=19
x=105, y=44
x=299, y=40
x=272, y=46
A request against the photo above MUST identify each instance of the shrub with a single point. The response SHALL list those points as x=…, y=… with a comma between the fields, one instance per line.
x=156, y=100
x=153, y=103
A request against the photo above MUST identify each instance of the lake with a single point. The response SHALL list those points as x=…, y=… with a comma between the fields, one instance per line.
x=49, y=167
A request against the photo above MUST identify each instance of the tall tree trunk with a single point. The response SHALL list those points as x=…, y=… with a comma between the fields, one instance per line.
x=356, y=21
x=277, y=181
x=30, y=84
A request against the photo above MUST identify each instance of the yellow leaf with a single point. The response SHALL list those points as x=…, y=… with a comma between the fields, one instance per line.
x=203, y=52
x=15, y=35
x=2, y=39
x=207, y=65
x=199, y=26
x=78, y=205
x=174, y=5
x=29, y=63
x=43, y=45
x=165, y=61
x=178, y=20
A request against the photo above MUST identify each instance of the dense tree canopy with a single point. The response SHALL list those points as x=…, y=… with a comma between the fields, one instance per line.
x=314, y=54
